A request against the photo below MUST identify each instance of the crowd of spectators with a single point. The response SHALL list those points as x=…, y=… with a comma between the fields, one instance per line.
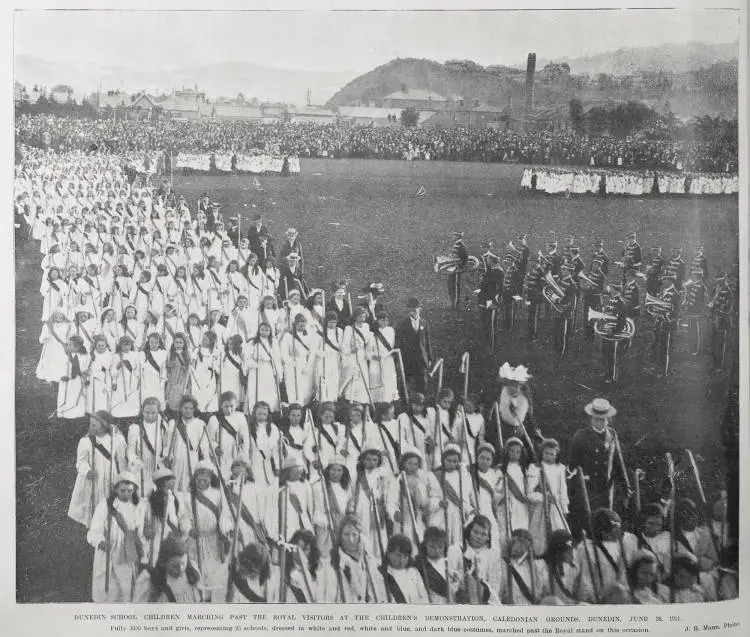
x=561, y=147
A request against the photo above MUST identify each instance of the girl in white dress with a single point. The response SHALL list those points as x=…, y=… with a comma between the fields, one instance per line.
x=228, y=431
x=331, y=495
x=147, y=441
x=265, y=371
x=552, y=474
x=404, y=584
x=406, y=497
x=265, y=447
x=71, y=392
x=101, y=455
x=55, y=293
x=298, y=349
x=416, y=422
x=206, y=372
x=211, y=525
x=153, y=368
x=109, y=328
x=354, y=374
x=53, y=361
x=188, y=439
x=125, y=374
x=362, y=579
x=174, y=579
x=98, y=396
x=269, y=313
x=383, y=378
x=114, y=533
x=328, y=360
x=520, y=482
x=251, y=579
x=488, y=481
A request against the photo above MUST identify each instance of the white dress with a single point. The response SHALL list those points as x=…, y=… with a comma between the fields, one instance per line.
x=121, y=528
x=298, y=353
x=265, y=373
x=383, y=377
x=95, y=457
x=354, y=371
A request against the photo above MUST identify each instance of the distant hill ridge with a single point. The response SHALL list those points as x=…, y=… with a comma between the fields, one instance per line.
x=656, y=75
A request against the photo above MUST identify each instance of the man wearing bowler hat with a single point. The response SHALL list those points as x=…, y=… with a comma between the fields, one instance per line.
x=413, y=339
x=594, y=451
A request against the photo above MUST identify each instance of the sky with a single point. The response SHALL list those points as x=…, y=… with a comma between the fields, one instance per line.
x=352, y=41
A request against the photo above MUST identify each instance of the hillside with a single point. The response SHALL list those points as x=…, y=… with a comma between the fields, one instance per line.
x=225, y=79
x=674, y=58
x=711, y=90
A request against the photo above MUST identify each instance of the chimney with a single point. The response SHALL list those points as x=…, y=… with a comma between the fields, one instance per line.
x=529, y=92
x=404, y=89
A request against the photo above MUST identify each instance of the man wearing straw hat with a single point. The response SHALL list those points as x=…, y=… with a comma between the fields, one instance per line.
x=594, y=451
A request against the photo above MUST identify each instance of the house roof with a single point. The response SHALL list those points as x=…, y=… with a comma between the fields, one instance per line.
x=313, y=112
x=368, y=112
x=113, y=100
x=175, y=103
x=415, y=94
x=232, y=110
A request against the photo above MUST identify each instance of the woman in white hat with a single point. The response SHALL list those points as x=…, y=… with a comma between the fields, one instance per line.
x=406, y=496
x=451, y=502
x=354, y=375
x=114, y=534
x=329, y=506
x=298, y=350
x=295, y=498
x=99, y=457
x=211, y=526
x=515, y=406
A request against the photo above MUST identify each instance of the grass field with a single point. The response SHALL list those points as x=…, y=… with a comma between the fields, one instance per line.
x=362, y=220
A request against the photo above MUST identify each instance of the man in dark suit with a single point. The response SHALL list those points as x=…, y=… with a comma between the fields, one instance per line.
x=254, y=233
x=413, y=339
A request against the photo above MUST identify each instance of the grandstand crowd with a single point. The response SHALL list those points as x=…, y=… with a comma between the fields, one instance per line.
x=562, y=147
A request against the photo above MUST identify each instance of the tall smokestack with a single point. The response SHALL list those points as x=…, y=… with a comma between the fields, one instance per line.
x=529, y=92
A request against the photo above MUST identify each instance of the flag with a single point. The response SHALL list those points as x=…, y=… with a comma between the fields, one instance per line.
x=421, y=192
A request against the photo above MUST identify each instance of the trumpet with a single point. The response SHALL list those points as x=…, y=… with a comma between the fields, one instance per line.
x=586, y=282
x=553, y=293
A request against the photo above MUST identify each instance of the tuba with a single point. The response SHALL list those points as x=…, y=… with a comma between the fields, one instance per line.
x=605, y=326
x=450, y=265
x=553, y=293
x=658, y=308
